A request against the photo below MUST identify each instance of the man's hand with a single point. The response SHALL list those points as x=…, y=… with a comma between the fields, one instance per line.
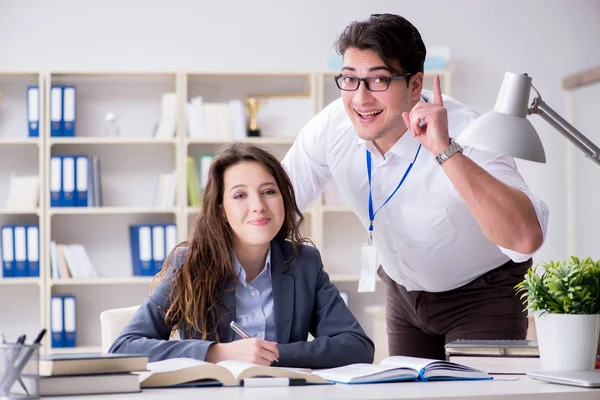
x=254, y=351
x=432, y=133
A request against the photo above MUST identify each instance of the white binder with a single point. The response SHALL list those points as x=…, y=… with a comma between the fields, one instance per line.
x=20, y=251
x=158, y=246
x=56, y=321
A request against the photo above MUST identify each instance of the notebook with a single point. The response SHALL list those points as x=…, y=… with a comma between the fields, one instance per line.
x=181, y=371
x=399, y=368
x=589, y=378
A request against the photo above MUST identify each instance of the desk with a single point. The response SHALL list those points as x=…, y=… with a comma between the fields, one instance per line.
x=523, y=389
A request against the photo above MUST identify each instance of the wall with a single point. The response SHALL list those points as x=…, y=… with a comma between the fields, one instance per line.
x=547, y=39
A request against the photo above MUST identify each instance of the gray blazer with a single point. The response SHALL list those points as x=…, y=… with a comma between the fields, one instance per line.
x=305, y=302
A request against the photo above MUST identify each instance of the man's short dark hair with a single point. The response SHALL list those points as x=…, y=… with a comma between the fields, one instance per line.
x=397, y=42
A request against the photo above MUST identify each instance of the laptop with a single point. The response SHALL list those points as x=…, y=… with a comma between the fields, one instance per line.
x=590, y=378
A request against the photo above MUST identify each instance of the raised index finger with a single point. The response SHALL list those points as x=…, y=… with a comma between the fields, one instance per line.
x=437, y=92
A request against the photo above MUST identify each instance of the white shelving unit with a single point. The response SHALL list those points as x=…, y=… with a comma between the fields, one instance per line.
x=130, y=165
x=23, y=299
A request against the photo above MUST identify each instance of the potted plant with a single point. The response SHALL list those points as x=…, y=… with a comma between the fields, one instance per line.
x=565, y=302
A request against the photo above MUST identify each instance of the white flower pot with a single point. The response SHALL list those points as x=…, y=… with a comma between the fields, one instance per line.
x=567, y=342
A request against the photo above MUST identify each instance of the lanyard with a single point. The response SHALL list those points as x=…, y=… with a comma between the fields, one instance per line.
x=371, y=213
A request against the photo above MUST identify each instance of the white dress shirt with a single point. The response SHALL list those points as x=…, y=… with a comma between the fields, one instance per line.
x=426, y=237
x=254, y=307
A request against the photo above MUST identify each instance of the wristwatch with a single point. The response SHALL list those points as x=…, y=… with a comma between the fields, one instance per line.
x=449, y=152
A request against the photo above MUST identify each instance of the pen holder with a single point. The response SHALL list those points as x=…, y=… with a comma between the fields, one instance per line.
x=19, y=371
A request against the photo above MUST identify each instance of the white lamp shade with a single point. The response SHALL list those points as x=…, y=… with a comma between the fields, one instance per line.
x=506, y=130
x=504, y=134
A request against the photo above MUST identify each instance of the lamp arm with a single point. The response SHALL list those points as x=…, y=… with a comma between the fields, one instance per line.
x=567, y=130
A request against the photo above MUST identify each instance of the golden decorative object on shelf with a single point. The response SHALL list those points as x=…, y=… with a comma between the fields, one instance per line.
x=253, y=105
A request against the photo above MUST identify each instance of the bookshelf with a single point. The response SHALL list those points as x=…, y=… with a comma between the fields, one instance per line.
x=130, y=166
x=23, y=299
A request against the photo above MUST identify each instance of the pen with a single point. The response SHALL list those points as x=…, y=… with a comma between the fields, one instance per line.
x=272, y=382
x=13, y=374
x=240, y=331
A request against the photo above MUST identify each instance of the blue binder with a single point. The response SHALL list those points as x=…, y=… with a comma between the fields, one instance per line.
x=20, y=245
x=170, y=238
x=56, y=111
x=159, y=243
x=69, y=321
x=33, y=111
x=141, y=250
x=55, y=181
x=68, y=181
x=82, y=183
x=33, y=250
x=68, y=110
x=56, y=321
x=8, y=251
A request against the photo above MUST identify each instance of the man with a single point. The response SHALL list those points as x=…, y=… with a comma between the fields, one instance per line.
x=453, y=228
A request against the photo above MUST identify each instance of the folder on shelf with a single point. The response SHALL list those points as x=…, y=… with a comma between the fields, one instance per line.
x=82, y=184
x=196, y=122
x=69, y=321
x=141, y=250
x=168, y=118
x=56, y=321
x=237, y=113
x=33, y=250
x=54, y=261
x=65, y=272
x=8, y=252
x=20, y=251
x=218, y=121
x=205, y=163
x=158, y=247
x=33, y=111
x=95, y=183
x=56, y=111
x=192, y=183
x=55, y=181
x=68, y=117
x=68, y=181
x=170, y=237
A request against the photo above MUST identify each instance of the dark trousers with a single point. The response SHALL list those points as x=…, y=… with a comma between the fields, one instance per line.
x=419, y=323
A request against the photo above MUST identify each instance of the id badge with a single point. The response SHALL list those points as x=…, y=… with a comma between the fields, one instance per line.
x=368, y=270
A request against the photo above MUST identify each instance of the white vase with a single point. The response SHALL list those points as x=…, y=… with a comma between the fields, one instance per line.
x=567, y=342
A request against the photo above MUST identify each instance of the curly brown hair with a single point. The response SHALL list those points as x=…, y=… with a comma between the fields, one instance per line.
x=208, y=266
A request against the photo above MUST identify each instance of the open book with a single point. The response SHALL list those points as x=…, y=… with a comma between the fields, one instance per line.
x=178, y=371
x=398, y=368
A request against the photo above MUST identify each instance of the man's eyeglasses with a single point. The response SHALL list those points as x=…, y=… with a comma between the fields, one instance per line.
x=372, y=83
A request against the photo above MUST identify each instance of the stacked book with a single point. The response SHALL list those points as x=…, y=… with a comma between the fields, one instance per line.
x=70, y=261
x=218, y=121
x=78, y=374
x=513, y=357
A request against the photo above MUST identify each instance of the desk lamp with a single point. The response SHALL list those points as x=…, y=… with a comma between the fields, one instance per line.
x=506, y=129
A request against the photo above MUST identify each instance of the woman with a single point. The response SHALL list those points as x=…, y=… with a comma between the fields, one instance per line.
x=247, y=262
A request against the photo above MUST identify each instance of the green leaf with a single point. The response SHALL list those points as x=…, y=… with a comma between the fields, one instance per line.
x=569, y=286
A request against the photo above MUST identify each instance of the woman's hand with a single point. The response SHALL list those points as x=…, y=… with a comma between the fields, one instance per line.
x=256, y=351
